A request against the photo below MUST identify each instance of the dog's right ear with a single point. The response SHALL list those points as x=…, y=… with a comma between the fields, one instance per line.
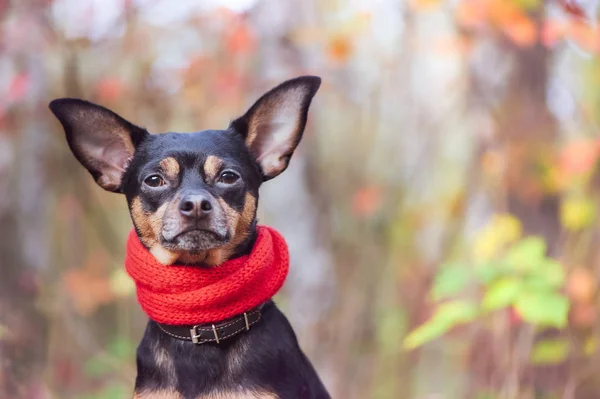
x=100, y=139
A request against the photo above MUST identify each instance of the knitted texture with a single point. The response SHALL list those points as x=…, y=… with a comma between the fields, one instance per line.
x=180, y=294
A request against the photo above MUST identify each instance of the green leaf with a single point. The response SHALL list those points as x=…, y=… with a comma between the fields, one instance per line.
x=95, y=367
x=450, y=280
x=550, y=351
x=502, y=293
x=543, y=308
x=550, y=276
x=392, y=322
x=487, y=272
x=121, y=348
x=447, y=316
x=114, y=392
x=527, y=255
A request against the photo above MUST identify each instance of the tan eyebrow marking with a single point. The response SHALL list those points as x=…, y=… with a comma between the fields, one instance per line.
x=212, y=166
x=170, y=167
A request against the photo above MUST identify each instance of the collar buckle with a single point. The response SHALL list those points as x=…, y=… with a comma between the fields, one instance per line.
x=194, y=334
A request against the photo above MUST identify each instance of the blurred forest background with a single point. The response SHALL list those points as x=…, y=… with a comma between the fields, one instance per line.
x=441, y=210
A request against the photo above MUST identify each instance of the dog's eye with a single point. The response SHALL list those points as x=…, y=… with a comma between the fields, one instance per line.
x=154, y=181
x=228, y=177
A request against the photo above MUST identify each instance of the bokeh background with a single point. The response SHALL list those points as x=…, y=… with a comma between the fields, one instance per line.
x=441, y=210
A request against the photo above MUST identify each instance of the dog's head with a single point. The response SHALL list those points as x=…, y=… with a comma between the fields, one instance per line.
x=192, y=196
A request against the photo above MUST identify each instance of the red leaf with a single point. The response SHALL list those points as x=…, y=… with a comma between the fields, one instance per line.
x=572, y=8
x=110, y=89
x=553, y=31
x=367, y=201
x=18, y=87
x=240, y=39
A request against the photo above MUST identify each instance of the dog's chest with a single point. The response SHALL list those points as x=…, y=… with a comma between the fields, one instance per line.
x=169, y=394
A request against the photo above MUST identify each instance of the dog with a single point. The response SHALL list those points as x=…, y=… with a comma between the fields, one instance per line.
x=192, y=199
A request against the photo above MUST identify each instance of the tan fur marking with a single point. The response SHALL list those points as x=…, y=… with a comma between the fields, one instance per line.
x=239, y=395
x=235, y=358
x=188, y=257
x=149, y=226
x=159, y=394
x=168, y=394
x=140, y=220
x=163, y=255
x=170, y=167
x=212, y=166
x=164, y=363
x=241, y=224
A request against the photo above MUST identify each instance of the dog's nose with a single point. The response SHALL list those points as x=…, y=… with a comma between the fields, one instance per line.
x=195, y=205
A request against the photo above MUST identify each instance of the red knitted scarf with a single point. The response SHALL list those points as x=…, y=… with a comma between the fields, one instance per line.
x=180, y=294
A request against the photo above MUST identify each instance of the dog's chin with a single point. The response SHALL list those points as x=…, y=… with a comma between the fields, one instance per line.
x=195, y=241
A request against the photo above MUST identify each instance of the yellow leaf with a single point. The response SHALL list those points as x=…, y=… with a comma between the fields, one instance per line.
x=424, y=5
x=121, y=284
x=500, y=231
x=591, y=346
x=577, y=213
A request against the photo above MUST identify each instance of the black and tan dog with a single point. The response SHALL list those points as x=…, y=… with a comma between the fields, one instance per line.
x=193, y=199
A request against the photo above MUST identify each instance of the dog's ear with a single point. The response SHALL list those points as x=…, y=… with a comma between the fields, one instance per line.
x=273, y=126
x=100, y=139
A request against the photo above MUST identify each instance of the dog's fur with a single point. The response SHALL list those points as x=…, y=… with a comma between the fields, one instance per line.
x=192, y=199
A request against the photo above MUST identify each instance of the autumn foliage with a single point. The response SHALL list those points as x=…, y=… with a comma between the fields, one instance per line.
x=442, y=209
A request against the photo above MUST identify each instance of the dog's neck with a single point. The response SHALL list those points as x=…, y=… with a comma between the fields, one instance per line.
x=199, y=295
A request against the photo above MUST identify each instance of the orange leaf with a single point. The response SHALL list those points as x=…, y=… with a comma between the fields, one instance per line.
x=581, y=285
x=472, y=14
x=367, y=201
x=578, y=157
x=492, y=163
x=583, y=314
x=452, y=46
x=88, y=287
x=584, y=35
x=503, y=12
x=521, y=30
x=339, y=49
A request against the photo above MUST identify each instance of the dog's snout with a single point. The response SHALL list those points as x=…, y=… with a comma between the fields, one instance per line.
x=195, y=205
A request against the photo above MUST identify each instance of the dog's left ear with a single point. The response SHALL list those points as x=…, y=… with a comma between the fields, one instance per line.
x=273, y=126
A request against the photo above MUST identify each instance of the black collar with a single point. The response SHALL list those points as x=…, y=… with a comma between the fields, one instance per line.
x=203, y=333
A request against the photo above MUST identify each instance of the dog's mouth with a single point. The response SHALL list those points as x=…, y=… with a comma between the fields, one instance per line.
x=195, y=239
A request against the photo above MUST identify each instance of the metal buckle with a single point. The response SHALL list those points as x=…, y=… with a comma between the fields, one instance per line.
x=194, y=334
x=215, y=332
x=246, y=320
